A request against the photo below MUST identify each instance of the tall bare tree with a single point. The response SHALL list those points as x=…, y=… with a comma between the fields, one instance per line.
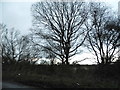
x=59, y=25
x=103, y=38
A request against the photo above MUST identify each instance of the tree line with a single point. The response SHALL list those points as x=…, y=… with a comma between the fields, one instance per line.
x=59, y=31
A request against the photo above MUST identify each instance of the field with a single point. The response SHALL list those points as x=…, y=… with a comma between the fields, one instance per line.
x=62, y=76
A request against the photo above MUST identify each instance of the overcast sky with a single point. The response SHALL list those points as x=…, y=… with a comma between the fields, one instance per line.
x=18, y=15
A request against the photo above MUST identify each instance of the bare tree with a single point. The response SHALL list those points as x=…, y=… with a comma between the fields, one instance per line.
x=1, y=34
x=59, y=25
x=27, y=50
x=115, y=24
x=49, y=55
x=9, y=44
x=16, y=48
x=23, y=48
x=102, y=39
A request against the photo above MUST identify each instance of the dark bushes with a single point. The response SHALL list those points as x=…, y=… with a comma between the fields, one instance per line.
x=108, y=71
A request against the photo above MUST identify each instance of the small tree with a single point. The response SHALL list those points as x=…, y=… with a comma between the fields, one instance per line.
x=23, y=48
x=49, y=55
x=9, y=44
x=28, y=50
x=16, y=48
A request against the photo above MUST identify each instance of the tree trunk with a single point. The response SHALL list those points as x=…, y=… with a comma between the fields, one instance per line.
x=67, y=56
x=63, y=61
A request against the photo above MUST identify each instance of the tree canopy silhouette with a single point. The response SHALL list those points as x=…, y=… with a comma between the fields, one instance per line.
x=104, y=36
x=59, y=25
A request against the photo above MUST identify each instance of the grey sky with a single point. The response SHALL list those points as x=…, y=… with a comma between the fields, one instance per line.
x=18, y=14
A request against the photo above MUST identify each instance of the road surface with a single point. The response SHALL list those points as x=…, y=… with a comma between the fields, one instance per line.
x=7, y=84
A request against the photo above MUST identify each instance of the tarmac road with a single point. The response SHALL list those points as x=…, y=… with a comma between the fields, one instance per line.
x=7, y=84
